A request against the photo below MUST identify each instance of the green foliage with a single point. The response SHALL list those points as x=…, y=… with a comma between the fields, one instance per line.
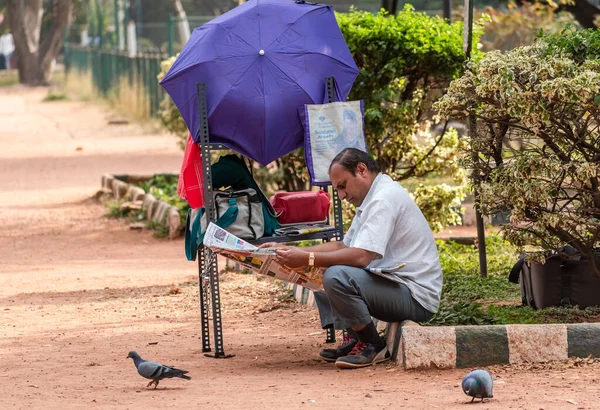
x=169, y=114
x=406, y=62
x=468, y=299
x=8, y=78
x=161, y=230
x=462, y=281
x=55, y=95
x=114, y=210
x=536, y=148
x=164, y=188
x=577, y=45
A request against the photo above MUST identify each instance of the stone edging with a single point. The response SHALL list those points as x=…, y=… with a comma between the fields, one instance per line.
x=446, y=347
x=155, y=210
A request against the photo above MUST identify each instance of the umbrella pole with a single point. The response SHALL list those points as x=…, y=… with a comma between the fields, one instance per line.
x=208, y=260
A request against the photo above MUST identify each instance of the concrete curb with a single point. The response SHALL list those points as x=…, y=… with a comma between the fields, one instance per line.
x=447, y=347
x=119, y=187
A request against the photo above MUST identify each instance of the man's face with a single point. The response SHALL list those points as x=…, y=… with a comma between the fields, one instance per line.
x=352, y=188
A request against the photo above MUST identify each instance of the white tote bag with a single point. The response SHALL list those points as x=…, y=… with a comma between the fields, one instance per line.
x=328, y=129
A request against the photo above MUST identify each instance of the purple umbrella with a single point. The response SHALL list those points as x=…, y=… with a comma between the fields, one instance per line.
x=260, y=62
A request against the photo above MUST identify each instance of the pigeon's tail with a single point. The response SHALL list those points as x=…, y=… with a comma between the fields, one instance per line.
x=179, y=373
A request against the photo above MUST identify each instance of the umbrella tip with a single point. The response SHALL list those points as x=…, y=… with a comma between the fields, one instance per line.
x=261, y=52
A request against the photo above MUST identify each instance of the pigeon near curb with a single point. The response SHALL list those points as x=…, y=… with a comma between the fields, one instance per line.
x=478, y=383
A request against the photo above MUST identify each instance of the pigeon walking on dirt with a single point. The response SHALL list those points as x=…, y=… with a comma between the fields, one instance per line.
x=478, y=383
x=155, y=371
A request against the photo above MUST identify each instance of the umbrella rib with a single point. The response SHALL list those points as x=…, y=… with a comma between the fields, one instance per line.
x=292, y=24
x=321, y=54
x=235, y=34
x=294, y=81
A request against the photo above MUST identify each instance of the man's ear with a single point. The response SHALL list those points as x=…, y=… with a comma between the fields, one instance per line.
x=362, y=169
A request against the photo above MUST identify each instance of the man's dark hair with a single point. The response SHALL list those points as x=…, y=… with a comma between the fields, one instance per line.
x=349, y=158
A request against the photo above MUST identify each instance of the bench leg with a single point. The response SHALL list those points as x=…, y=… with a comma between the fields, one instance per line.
x=203, y=284
x=215, y=298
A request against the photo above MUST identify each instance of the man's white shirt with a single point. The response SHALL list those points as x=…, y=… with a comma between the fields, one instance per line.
x=390, y=224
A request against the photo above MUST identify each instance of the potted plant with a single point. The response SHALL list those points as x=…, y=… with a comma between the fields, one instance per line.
x=535, y=149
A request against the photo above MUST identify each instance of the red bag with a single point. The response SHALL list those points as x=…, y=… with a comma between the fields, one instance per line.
x=190, y=185
x=301, y=207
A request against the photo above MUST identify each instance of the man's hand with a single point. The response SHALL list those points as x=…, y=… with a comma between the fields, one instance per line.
x=292, y=257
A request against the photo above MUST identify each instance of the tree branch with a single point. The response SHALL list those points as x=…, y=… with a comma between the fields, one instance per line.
x=52, y=43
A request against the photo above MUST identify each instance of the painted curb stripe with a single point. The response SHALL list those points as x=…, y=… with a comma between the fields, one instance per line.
x=311, y=299
x=304, y=296
x=481, y=346
x=422, y=347
x=428, y=347
x=537, y=343
x=583, y=340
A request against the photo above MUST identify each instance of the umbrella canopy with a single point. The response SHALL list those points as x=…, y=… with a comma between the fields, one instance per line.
x=260, y=62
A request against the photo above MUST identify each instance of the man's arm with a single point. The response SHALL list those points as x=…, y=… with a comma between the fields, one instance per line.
x=322, y=247
x=296, y=257
x=359, y=258
x=325, y=247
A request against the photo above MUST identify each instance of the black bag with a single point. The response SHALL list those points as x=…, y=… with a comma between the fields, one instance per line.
x=565, y=279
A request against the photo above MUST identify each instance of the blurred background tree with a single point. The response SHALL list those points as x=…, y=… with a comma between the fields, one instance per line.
x=37, y=44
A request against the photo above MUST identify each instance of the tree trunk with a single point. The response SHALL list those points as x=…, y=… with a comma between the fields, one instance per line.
x=25, y=21
x=183, y=25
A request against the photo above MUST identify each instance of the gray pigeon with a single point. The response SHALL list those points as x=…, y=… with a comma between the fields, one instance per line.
x=478, y=383
x=155, y=371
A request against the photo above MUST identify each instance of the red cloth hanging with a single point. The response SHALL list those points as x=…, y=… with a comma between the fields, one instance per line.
x=190, y=185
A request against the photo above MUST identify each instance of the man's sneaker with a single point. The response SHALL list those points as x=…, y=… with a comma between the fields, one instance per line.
x=331, y=355
x=363, y=354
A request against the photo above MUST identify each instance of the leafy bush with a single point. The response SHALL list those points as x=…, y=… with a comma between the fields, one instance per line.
x=169, y=114
x=406, y=62
x=536, y=148
x=164, y=188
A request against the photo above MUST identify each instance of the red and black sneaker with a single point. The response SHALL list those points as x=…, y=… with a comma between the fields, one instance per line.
x=362, y=355
x=331, y=355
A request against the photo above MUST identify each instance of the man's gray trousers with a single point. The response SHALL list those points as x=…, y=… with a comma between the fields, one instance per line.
x=352, y=296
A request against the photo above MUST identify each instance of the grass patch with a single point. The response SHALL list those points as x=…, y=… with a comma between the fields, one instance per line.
x=55, y=95
x=161, y=230
x=468, y=299
x=114, y=210
x=81, y=85
x=9, y=78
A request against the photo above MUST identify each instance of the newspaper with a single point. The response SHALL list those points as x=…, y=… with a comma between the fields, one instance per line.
x=260, y=261
x=302, y=229
x=263, y=260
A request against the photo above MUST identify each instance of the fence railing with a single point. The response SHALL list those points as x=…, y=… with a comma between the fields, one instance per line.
x=114, y=73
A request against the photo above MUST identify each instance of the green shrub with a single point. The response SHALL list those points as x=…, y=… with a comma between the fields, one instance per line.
x=170, y=117
x=536, y=149
x=164, y=188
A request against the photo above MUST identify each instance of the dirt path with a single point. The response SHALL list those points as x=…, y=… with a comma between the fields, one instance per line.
x=78, y=291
